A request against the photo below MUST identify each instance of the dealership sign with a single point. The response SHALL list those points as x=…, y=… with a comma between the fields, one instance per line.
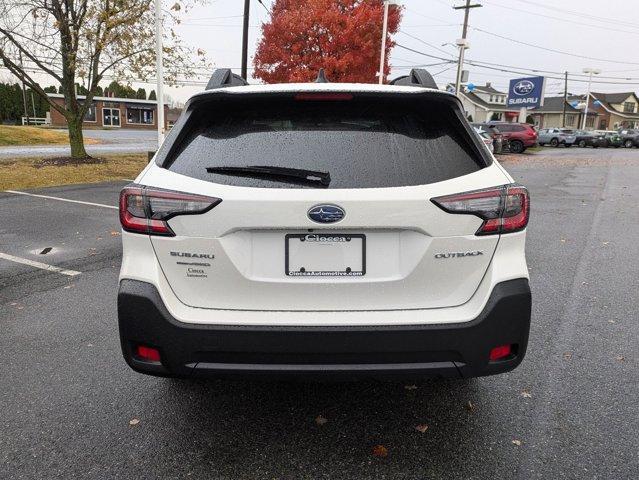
x=526, y=92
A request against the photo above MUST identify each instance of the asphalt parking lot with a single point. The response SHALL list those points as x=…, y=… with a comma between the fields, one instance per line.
x=71, y=408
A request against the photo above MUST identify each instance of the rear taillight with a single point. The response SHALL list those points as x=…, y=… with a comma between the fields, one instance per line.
x=147, y=210
x=503, y=209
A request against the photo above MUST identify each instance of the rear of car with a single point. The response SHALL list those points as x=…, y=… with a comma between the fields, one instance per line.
x=323, y=229
x=499, y=143
x=486, y=138
x=519, y=136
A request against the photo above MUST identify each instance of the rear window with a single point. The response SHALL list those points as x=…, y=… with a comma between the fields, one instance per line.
x=361, y=142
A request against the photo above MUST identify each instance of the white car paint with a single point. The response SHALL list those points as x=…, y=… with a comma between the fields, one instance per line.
x=406, y=282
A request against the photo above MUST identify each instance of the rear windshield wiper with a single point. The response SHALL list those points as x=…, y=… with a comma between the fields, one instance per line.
x=265, y=171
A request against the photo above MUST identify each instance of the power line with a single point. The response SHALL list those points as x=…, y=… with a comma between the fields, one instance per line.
x=559, y=19
x=552, y=49
x=509, y=69
x=426, y=43
x=597, y=18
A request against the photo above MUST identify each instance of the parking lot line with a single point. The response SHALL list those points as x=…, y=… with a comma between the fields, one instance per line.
x=43, y=266
x=62, y=199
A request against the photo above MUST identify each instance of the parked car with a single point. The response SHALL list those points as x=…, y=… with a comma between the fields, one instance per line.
x=588, y=138
x=556, y=137
x=629, y=137
x=323, y=229
x=519, y=136
x=610, y=138
x=486, y=138
x=499, y=142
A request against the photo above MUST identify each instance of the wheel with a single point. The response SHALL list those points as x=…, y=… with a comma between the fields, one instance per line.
x=628, y=143
x=582, y=143
x=517, y=146
x=554, y=142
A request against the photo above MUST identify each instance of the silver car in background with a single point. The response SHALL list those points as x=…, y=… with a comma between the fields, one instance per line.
x=556, y=136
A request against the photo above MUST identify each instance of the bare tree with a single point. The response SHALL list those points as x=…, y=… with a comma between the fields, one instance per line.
x=88, y=40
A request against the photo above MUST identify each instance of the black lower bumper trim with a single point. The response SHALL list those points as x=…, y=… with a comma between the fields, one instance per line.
x=445, y=350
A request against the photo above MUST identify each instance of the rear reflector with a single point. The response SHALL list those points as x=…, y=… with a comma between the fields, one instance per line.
x=147, y=354
x=503, y=209
x=147, y=210
x=501, y=352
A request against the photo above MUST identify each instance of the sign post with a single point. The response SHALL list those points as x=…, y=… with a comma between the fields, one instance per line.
x=525, y=93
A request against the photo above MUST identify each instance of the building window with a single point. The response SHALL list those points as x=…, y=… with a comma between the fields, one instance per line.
x=629, y=107
x=570, y=120
x=140, y=115
x=90, y=114
x=590, y=121
x=491, y=98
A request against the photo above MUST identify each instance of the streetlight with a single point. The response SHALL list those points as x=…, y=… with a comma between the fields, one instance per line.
x=382, y=56
x=590, y=72
x=159, y=70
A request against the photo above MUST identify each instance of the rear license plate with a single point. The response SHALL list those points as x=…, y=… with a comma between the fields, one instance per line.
x=325, y=255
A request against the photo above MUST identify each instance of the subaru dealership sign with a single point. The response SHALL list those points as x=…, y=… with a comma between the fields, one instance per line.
x=526, y=92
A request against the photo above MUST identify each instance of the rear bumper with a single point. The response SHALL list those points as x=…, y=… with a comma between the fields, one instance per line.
x=446, y=350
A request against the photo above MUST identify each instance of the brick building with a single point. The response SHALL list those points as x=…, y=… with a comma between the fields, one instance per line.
x=113, y=112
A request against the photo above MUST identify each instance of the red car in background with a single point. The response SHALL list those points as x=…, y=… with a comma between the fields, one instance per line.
x=520, y=136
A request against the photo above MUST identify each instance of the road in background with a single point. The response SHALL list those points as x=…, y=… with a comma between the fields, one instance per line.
x=71, y=408
x=114, y=141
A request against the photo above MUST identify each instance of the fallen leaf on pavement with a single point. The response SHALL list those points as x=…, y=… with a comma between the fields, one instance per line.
x=380, y=451
x=470, y=406
x=320, y=420
x=134, y=421
x=620, y=358
x=115, y=234
x=421, y=428
x=410, y=387
x=517, y=442
x=526, y=394
x=568, y=355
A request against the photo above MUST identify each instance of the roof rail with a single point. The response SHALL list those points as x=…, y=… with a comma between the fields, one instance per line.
x=223, y=77
x=417, y=77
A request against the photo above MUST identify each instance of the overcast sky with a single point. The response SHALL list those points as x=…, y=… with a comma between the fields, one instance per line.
x=598, y=29
x=601, y=30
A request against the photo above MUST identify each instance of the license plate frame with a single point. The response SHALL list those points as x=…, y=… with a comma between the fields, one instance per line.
x=347, y=272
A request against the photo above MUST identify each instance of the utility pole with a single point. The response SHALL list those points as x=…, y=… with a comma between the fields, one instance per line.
x=563, y=122
x=245, y=27
x=159, y=70
x=24, y=93
x=462, y=44
x=382, y=55
x=590, y=72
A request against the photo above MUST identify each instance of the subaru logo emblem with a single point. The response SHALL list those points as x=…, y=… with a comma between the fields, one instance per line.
x=524, y=87
x=326, y=213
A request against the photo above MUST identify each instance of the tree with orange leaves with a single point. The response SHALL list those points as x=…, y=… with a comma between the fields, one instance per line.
x=343, y=37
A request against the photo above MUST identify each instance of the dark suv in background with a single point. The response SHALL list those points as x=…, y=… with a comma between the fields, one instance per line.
x=629, y=137
x=519, y=136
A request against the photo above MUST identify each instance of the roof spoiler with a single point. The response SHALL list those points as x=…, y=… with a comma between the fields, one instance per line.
x=223, y=77
x=417, y=77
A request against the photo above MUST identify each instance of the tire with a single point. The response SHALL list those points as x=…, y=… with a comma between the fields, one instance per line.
x=628, y=143
x=582, y=144
x=554, y=142
x=517, y=146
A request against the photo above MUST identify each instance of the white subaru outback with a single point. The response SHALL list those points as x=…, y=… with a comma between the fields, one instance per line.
x=324, y=229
